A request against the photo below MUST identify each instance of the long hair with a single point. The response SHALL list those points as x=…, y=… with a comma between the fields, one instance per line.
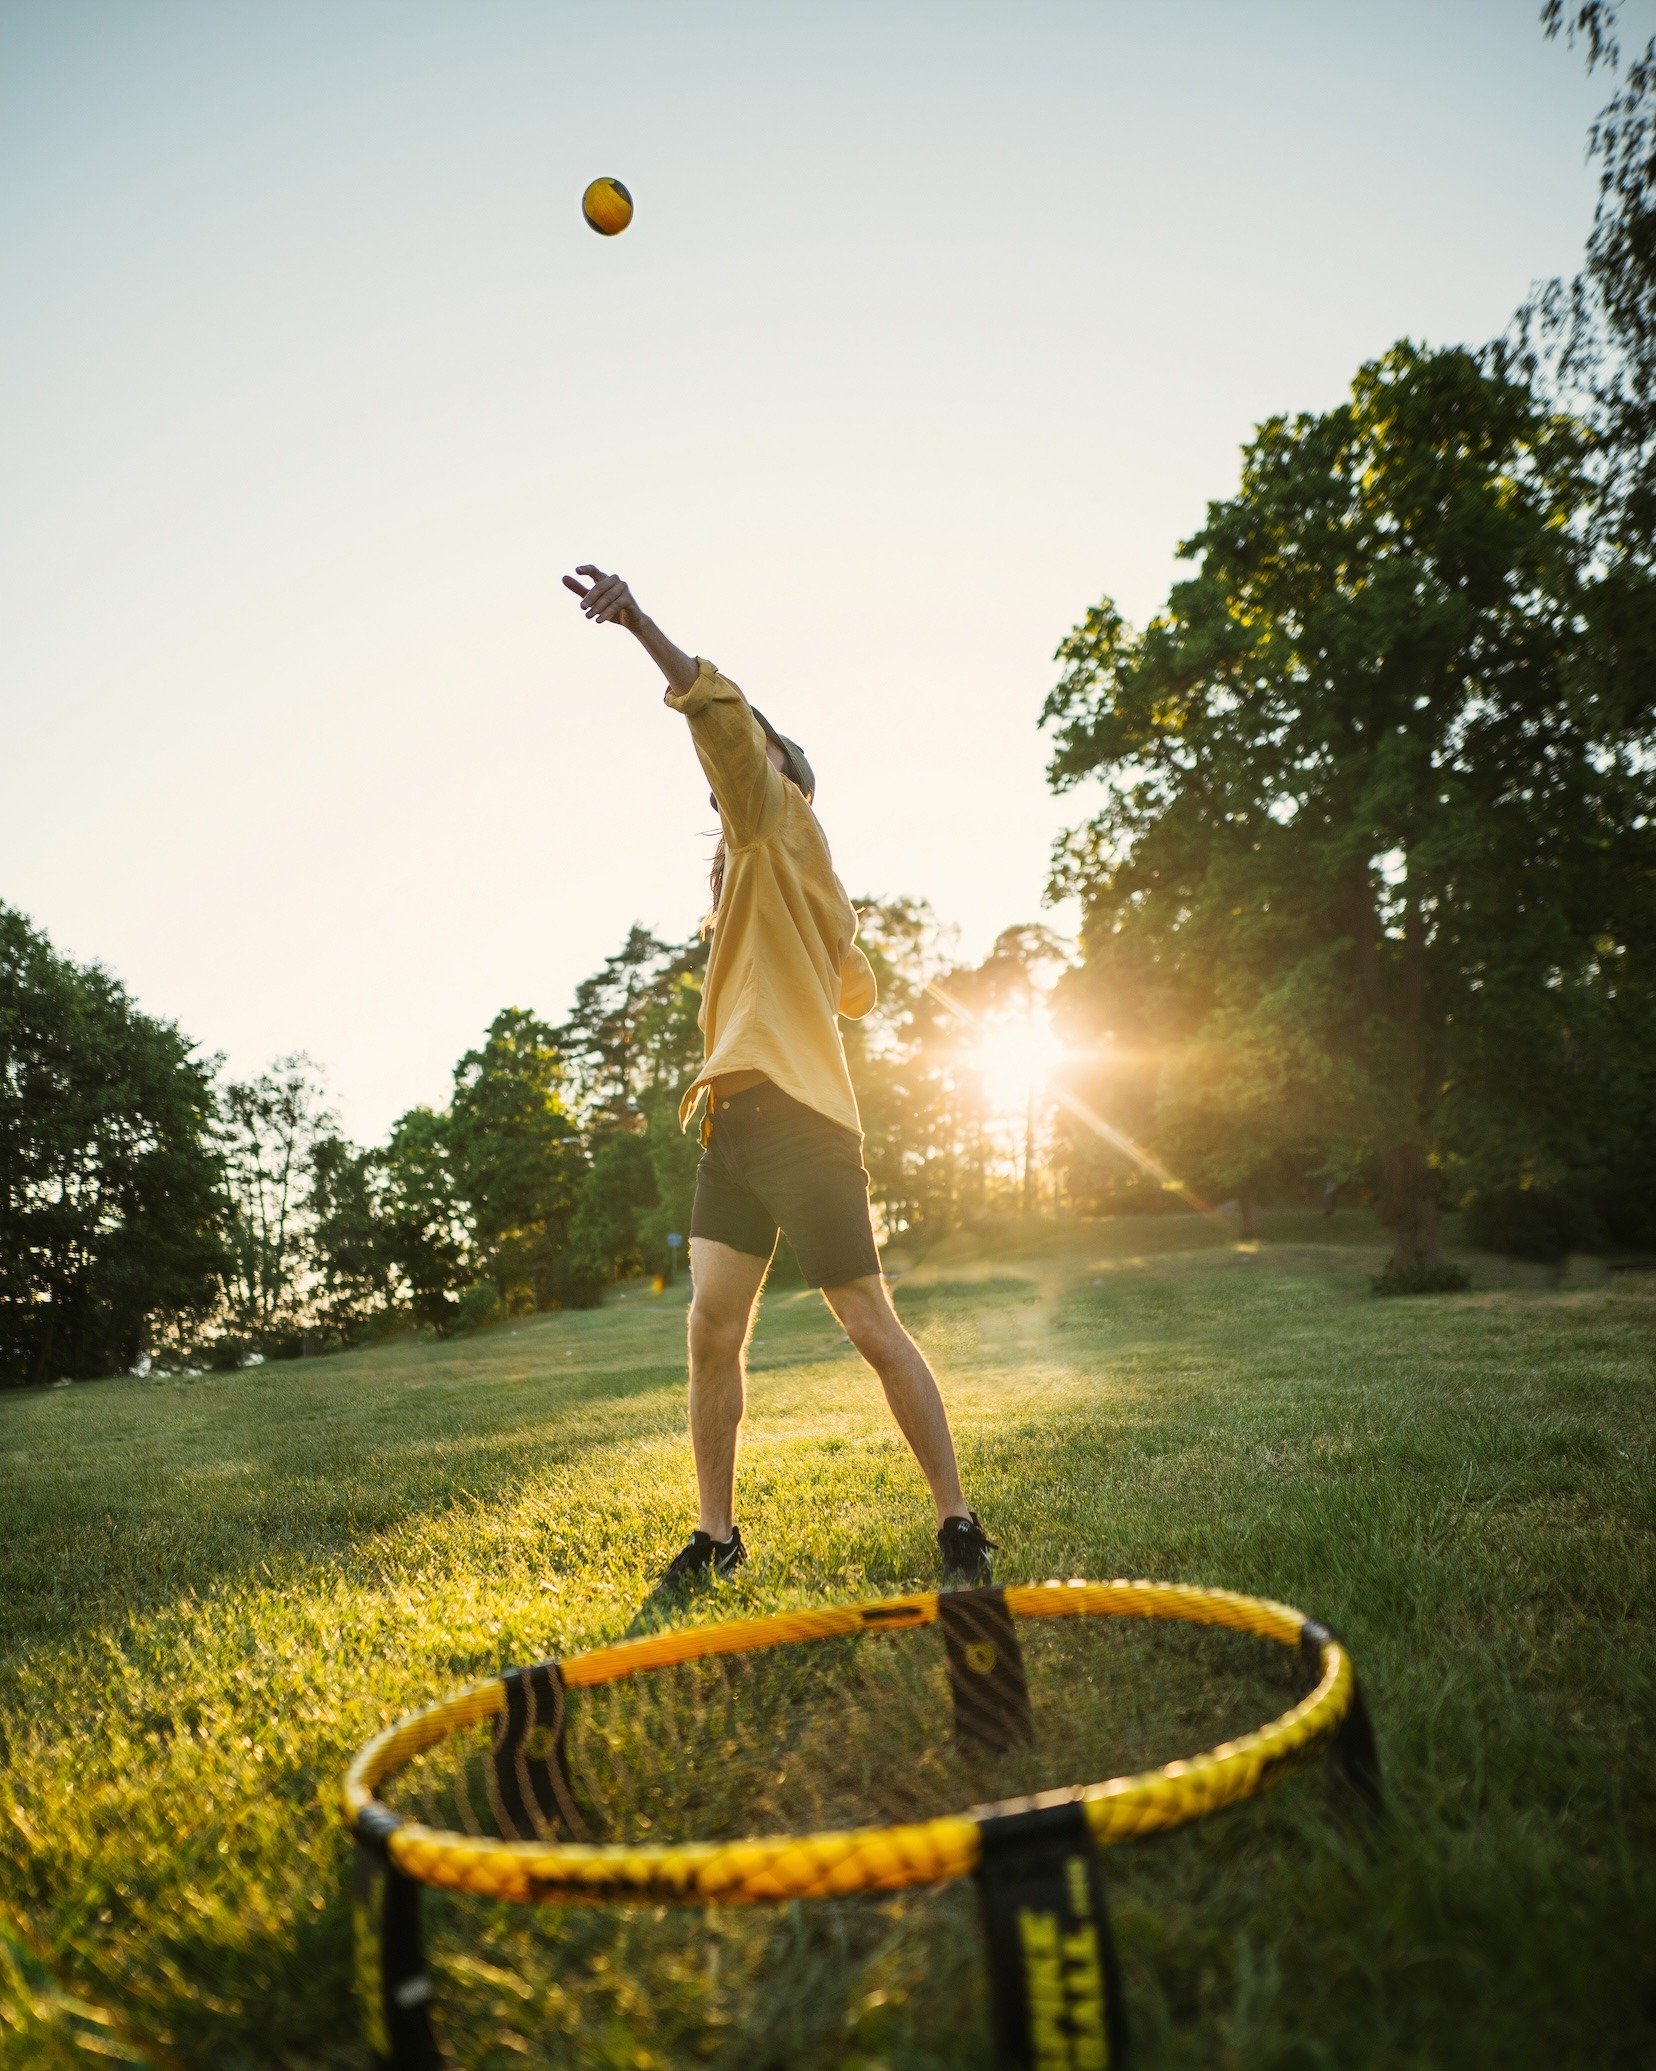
x=715, y=886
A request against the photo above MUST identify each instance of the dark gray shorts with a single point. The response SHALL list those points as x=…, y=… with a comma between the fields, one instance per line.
x=769, y=1163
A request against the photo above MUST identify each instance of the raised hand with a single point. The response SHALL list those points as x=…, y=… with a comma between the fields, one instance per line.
x=606, y=599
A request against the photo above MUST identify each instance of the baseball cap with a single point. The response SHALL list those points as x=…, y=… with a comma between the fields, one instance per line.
x=795, y=766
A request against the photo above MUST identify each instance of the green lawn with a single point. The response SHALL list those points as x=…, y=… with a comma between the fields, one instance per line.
x=212, y=1590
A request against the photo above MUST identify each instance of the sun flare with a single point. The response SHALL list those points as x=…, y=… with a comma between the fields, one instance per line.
x=1016, y=1061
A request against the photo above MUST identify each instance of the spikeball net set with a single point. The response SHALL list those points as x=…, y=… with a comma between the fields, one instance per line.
x=854, y=1750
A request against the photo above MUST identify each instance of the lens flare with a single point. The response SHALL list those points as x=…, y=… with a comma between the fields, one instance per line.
x=1020, y=1058
x=1016, y=1060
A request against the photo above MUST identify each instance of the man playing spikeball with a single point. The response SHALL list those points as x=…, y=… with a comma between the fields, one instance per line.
x=781, y=1138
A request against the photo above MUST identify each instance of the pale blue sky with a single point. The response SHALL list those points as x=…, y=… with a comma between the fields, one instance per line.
x=935, y=323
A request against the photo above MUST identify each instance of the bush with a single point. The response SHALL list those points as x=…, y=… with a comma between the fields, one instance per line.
x=477, y=1307
x=1626, y=1203
x=1539, y=1223
x=580, y=1285
x=1443, y=1278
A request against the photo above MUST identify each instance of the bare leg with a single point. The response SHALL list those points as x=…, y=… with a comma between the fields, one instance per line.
x=871, y=1323
x=726, y=1286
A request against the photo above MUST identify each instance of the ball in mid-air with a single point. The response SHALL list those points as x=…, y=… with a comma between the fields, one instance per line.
x=608, y=207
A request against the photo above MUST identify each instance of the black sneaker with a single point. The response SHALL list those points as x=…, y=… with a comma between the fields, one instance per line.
x=966, y=1547
x=705, y=1560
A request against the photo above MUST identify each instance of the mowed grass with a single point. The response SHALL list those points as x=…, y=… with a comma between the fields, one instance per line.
x=213, y=1590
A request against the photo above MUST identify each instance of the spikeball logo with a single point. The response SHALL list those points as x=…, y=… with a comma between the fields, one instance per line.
x=1065, y=1978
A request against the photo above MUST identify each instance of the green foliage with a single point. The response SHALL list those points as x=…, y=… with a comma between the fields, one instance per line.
x=516, y=1156
x=614, y=1023
x=1540, y=1223
x=1591, y=341
x=477, y=1307
x=355, y=1289
x=426, y=1234
x=1370, y=890
x=670, y=1042
x=109, y=1214
x=617, y=1192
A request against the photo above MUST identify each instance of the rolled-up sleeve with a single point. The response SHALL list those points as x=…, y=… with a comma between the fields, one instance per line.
x=730, y=745
x=858, y=990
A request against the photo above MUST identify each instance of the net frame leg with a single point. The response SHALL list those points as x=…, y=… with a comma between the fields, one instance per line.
x=1356, y=1788
x=1054, y=1981
x=393, y=1986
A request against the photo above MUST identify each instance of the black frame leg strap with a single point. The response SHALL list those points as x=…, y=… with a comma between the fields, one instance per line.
x=986, y=1671
x=1355, y=1788
x=529, y=1787
x=392, y=1985
x=1055, y=1986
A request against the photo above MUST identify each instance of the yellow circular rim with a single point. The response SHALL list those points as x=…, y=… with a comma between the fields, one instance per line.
x=842, y=1861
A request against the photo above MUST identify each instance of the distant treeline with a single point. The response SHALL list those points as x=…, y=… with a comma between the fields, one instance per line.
x=155, y=1207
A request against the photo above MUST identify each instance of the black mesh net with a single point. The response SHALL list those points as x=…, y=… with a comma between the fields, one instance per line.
x=856, y=1731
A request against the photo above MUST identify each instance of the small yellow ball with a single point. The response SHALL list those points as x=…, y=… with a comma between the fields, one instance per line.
x=608, y=207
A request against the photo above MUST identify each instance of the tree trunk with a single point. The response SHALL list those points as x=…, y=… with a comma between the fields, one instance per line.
x=1408, y=1203
x=1408, y=1206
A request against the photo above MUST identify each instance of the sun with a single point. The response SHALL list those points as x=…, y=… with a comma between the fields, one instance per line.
x=1016, y=1059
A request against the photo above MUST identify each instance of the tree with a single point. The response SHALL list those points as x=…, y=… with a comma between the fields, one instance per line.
x=617, y=1191
x=896, y=1055
x=1377, y=851
x=108, y=1207
x=941, y=1143
x=427, y=1238
x=269, y=1129
x=1005, y=996
x=603, y=1039
x=670, y=1052
x=350, y=1238
x=517, y=1158
x=1590, y=342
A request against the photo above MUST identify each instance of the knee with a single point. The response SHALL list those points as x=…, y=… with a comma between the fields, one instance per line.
x=715, y=1338
x=873, y=1326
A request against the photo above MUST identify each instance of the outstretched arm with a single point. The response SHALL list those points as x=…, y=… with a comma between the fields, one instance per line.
x=607, y=601
x=730, y=742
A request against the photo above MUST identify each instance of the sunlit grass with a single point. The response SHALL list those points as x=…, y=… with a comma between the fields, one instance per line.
x=212, y=1590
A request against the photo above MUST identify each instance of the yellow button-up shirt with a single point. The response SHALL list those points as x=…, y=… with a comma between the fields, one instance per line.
x=784, y=962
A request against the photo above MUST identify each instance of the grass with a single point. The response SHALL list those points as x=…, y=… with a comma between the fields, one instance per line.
x=212, y=1590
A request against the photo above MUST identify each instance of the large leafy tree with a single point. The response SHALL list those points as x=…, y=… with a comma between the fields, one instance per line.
x=427, y=1238
x=517, y=1158
x=1375, y=860
x=1591, y=341
x=109, y=1215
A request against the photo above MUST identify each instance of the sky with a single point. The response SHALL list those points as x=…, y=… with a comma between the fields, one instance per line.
x=935, y=324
